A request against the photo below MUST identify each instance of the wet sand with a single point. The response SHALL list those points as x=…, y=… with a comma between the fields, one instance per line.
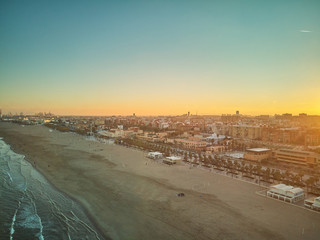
x=129, y=199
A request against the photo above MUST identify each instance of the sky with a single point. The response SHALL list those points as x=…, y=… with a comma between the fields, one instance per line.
x=160, y=57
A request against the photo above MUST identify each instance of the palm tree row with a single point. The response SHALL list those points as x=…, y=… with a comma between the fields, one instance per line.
x=234, y=167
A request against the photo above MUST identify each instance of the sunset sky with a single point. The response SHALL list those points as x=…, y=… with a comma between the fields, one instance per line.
x=160, y=57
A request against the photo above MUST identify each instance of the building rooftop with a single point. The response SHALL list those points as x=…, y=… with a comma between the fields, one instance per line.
x=295, y=151
x=278, y=185
x=258, y=149
x=174, y=158
x=286, y=188
x=154, y=153
x=296, y=190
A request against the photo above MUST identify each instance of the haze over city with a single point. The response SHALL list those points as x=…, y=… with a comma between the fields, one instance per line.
x=160, y=57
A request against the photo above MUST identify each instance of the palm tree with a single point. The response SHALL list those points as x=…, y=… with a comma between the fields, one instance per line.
x=267, y=174
x=258, y=171
x=242, y=169
x=205, y=160
x=185, y=156
x=250, y=169
x=287, y=176
x=278, y=175
x=316, y=179
x=273, y=172
x=230, y=166
x=310, y=182
x=296, y=179
x=237, y=165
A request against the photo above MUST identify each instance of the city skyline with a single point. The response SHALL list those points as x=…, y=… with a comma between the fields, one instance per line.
x=160, y=58
x=49, y=113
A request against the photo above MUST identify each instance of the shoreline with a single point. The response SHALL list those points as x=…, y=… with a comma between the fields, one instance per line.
x=126, y=199
x=86, y=212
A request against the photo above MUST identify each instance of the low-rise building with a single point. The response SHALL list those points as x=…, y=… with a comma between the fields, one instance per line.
x=215, y=149
x=313, y=203
x=170, y=140
x=113, y=133
x=286, y=193
x=172, y=160
x=257, y=154
x=155, y=155
x=304, y=158
x=191, y=144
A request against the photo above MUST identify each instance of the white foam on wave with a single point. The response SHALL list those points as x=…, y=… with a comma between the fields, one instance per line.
x=26, y=210
x=13, y=221
x=85, y=225
x=41, y=228
x=30, y=183
x=9, y=175
x=4, y=148
x=40, y=235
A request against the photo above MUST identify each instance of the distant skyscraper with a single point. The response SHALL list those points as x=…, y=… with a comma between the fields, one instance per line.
x=188, y=114
x=237, y=112
x=0, y=113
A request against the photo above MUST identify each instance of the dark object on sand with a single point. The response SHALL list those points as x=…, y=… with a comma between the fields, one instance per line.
x=180, y=194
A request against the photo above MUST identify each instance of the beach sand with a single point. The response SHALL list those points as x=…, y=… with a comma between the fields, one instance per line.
x=131, y=197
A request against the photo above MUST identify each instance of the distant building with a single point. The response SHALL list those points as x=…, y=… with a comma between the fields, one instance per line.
x=287, y=116
x=191, y=144
x=245, y=131
x=282, y=135
x=215, y=149
x=298, y=157
x=237, y=112
x=312, y=138
x=257, y=154
x=263, y=117
x=99, y=122
x=163, y=125
x=227, y=118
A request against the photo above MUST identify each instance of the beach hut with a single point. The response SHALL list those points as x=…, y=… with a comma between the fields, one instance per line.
x=313, y=203
x=155, y=155
x=172, y=160
x=286, y=193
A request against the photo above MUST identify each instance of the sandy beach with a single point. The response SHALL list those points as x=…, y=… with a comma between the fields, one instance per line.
x=131, y=197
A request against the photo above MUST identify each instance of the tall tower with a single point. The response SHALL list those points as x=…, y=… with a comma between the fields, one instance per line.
x=0, y=113
x=237, y=112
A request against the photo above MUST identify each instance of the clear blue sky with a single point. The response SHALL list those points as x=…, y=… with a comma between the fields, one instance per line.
x=166, y=57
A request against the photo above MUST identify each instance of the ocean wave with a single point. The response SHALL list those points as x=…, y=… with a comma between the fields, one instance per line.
x=10, y=178
x=33, y=208
x=13, y=221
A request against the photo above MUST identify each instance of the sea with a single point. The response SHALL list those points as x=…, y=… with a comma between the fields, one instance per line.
x=31, y=208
